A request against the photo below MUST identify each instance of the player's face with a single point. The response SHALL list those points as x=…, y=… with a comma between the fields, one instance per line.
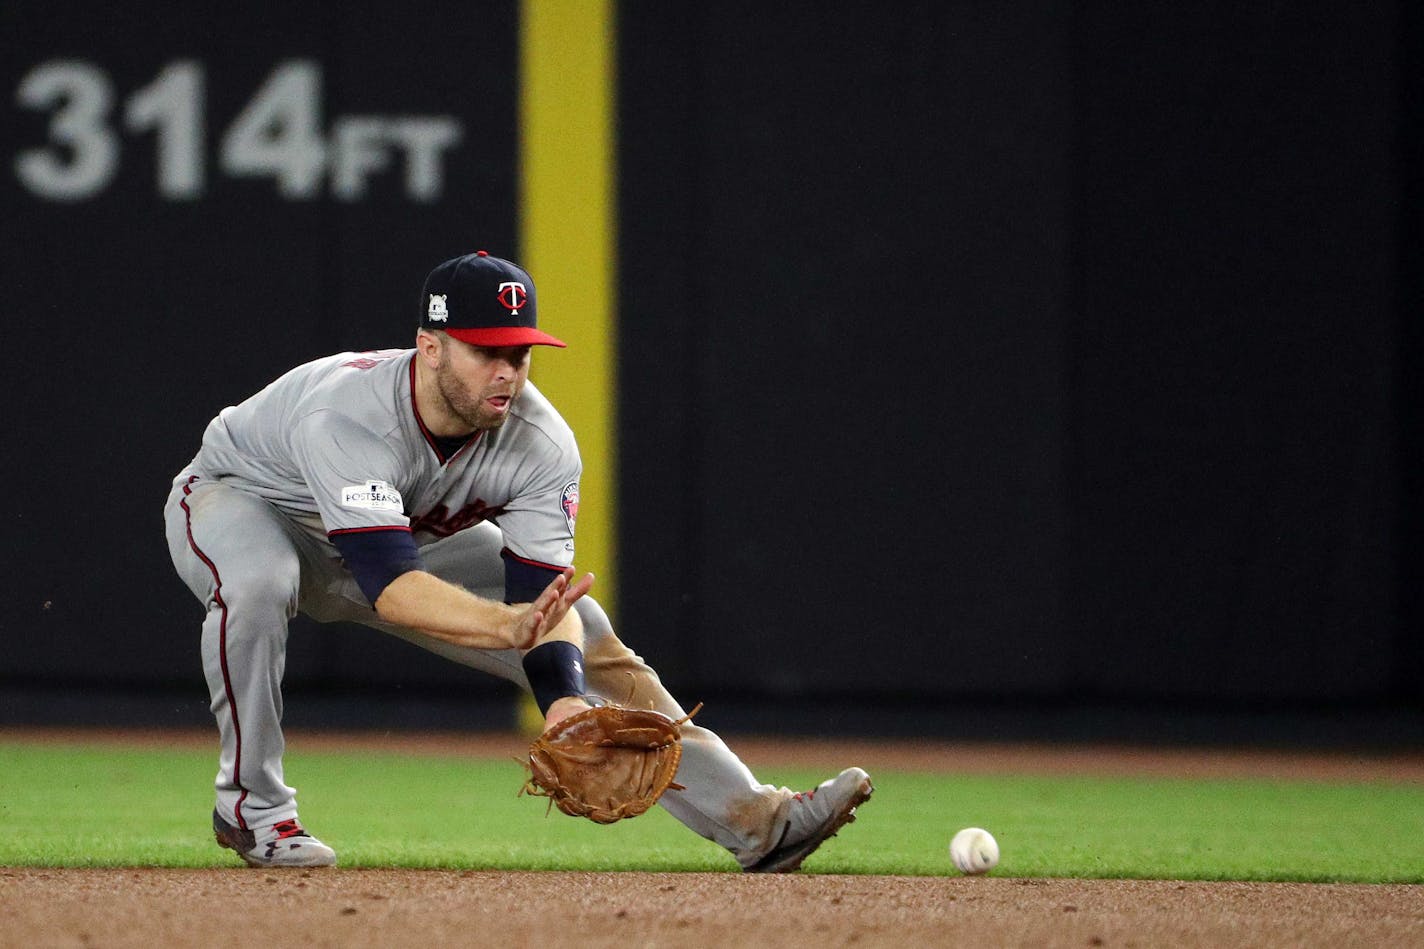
x=480, y=383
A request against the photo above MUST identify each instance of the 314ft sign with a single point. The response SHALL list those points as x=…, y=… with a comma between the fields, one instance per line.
x=278, y=134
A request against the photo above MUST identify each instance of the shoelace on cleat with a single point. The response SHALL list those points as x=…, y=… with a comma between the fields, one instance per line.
x=288, y=828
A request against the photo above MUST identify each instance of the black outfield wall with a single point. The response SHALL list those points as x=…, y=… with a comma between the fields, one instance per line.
x=1043, y=361
x=1055, y=357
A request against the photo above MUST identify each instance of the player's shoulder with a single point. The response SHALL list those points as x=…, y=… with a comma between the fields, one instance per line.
x=348, y=379
x=365, y=387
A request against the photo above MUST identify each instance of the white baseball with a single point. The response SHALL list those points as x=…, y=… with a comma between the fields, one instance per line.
x=974, y=850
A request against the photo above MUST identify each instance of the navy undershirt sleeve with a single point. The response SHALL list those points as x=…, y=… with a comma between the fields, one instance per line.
x=525, y=579
x=376, y=557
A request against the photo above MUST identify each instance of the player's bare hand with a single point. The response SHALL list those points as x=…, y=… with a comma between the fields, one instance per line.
x=549, y=608
x=563, y=708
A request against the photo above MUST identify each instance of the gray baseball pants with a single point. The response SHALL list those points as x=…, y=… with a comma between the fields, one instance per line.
x=253, y=568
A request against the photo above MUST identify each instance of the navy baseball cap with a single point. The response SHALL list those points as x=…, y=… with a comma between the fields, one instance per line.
x=483, y=301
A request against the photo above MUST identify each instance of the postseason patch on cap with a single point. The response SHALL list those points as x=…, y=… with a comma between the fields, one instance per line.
x=372, y=496
x=437, y=311
x=568, y=500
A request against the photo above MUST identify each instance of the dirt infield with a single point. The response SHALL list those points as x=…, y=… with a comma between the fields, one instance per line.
x=346, y=908
x=230, y=907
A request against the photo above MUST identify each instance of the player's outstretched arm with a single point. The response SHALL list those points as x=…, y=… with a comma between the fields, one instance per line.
x=423, y=601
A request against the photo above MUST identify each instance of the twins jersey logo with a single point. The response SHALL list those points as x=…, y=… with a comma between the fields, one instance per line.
x=440, y=522
x=513, y=296
x=568, y=500
x=372, y=496
x=437, y=312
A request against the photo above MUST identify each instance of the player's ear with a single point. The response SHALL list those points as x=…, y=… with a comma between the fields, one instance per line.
x=429, y=345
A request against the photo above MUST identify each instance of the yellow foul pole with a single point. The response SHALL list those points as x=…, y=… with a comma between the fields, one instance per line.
x=567, y=111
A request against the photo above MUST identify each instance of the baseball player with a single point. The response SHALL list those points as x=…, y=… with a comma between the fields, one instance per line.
x=430, y=493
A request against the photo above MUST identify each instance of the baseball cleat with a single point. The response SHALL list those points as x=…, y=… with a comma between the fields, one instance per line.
x=813, y=817
x=283, y=844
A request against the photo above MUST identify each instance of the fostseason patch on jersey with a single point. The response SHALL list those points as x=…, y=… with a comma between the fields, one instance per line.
x=372, y=496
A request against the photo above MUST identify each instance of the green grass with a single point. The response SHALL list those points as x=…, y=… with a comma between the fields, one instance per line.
x=104, y=806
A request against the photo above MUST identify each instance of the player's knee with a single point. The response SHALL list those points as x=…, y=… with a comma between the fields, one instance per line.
x=268, y=587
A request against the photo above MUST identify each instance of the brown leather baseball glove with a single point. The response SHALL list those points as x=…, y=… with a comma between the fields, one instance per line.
x=606, y=763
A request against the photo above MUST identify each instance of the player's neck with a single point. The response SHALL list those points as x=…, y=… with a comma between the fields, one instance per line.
x=430, y=406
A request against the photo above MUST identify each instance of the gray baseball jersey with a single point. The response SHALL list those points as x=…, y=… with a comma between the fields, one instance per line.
x=339, y=446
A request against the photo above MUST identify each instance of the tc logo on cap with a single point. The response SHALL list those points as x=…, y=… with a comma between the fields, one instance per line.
x=512, y=295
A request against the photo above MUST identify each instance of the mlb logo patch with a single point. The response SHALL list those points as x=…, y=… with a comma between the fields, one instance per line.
x=568, y=500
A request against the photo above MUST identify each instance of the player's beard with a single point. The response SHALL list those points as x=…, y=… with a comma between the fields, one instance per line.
x=470, y=407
